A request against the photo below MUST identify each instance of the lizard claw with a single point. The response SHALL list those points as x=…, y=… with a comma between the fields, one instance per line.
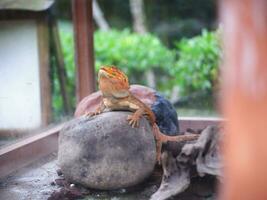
x=133, y=121
x=91, y=114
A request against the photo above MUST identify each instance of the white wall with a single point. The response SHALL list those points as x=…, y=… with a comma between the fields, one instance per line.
x=19, y=75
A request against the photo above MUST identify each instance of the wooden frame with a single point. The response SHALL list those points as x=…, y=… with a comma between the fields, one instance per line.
x=21, y=14
x=197, y=123
x=28, y=150
x=43, y=51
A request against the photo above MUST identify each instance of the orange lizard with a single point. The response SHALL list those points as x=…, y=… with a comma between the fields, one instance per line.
x=114, y=86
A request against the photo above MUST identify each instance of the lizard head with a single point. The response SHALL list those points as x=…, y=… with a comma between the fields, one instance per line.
x=113, y=82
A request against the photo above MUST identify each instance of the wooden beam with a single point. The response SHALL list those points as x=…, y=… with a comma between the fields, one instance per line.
x=21, y=14
x=45, y=83
x=197, y=123
x=28, y=150
x=245, y=98
x=83, y=32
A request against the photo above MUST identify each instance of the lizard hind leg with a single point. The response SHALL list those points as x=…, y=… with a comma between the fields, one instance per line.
x=158, y=139
x=158, y=150
x=161, y=138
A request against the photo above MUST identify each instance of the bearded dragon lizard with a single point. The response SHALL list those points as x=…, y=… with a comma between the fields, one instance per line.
x=114, y=86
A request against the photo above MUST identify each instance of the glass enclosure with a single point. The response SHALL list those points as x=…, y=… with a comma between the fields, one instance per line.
x=172, y=46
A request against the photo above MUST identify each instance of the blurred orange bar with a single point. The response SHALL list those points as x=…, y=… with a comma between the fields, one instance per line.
x=245, y=98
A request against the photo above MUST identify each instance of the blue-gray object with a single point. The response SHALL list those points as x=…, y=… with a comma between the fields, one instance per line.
x=166, y=116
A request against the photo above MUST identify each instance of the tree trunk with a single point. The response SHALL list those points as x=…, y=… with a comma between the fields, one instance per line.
x=175, y=94
x=137, y=10
x=99, y=17
x=151, y=79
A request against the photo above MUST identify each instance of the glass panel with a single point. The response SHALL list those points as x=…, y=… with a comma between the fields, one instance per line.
x=172, y=46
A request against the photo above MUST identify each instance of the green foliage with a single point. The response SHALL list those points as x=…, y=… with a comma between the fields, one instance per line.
x=193, y=66
x=196, y=68
x=131, y=52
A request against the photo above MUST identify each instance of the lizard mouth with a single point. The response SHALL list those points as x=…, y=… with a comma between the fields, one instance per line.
x=103, y=73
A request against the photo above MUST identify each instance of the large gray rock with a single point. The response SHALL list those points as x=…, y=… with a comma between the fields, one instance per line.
x=104, y=152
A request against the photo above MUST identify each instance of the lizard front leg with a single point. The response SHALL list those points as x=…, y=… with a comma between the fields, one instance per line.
x=98, y=110
x=135, y=118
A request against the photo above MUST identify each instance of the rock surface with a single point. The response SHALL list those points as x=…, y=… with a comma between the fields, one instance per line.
x=104, y=152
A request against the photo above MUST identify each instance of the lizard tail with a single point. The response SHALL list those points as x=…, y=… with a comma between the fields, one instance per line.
x=178, y=138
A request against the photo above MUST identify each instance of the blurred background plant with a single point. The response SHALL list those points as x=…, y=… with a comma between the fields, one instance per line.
x=173, y=47
x=196, y=68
